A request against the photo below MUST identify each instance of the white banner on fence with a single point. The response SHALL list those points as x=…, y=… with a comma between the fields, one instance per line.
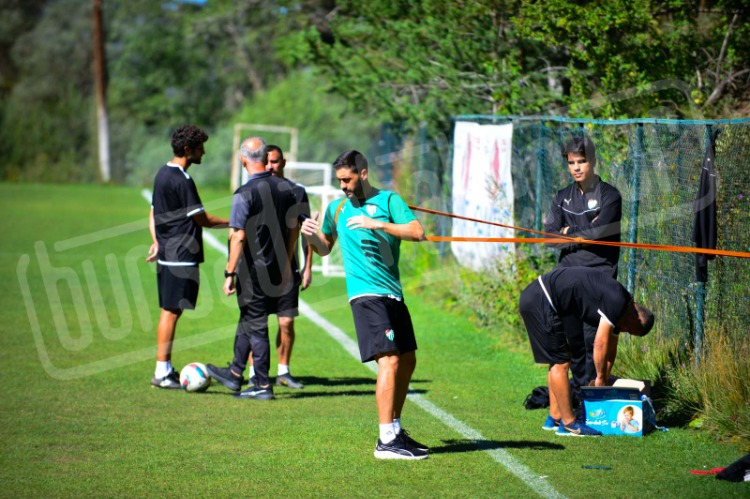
x=483, y=189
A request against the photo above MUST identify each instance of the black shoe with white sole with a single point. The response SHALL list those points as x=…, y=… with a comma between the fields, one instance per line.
x=407, y=438
x=171, y=381
x=398, y=449
x=256, y=393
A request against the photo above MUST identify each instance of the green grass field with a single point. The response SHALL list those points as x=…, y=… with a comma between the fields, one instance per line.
x=79, y=418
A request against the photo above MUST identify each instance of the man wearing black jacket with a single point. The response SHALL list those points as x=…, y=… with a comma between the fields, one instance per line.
x=591, y=209
x=262, y=242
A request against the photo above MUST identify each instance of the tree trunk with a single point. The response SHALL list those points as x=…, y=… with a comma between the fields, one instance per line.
x=101, y=93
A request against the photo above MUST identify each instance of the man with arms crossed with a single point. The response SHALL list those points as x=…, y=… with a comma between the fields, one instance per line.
x=370, y=224
x=555, y=308
x=175, y=221
x=589, y=208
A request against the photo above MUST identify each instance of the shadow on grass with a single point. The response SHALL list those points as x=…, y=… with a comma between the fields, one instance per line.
x=451, y=446
x=285, y=394
x=351, y=381
x=315, y=381
x=318, y=381
x=303, y=394
x=307, y=381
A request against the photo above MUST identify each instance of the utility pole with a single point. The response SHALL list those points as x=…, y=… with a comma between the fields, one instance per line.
x=100, y=77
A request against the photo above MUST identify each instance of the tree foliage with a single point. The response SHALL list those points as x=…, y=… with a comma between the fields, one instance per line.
x=426, y=60
x=196, y=64
x=691, y=57
x=408, y=62
x=169, y=63
x=46, y=111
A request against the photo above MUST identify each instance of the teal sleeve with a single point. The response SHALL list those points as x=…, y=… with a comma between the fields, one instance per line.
x=400, y=211
x=329, y=228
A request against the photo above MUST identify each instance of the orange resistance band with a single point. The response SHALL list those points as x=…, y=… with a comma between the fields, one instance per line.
x=559, y=238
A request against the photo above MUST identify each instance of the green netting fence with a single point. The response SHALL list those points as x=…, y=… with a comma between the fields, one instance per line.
x=656, y=165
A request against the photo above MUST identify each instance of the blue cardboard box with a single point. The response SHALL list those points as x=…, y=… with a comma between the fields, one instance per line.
x=617, y=411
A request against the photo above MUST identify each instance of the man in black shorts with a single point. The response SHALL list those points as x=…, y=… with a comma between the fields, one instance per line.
x=285, y=335
x=555, y=308
x=263, y=238
x=175, y=221
x=370, y=224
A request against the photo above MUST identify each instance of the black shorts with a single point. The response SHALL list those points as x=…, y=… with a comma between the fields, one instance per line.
x=178, y=286
x=258, y=305
x=288, y=305
x=383, y=325
x=546, y=334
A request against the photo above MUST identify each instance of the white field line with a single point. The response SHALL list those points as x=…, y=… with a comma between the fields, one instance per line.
x=522, y=472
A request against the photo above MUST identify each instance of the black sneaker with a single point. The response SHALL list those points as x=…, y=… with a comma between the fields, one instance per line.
x=225, y=376
x=288, y=381
x=256, y=393
x=171, y=381
x=398, y=449
x=407, y=438
x=252, y=381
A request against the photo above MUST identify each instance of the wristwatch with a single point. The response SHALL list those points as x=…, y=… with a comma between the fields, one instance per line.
x=229, y=274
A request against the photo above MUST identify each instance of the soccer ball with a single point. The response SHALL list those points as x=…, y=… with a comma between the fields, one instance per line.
x=194, y=377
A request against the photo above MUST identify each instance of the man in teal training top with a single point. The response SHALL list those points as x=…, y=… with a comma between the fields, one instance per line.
x=370, y=223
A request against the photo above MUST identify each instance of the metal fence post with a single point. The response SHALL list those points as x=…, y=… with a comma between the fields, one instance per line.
x=634, y=205
x=700, y=302
x=700, y=291
x=541, y=158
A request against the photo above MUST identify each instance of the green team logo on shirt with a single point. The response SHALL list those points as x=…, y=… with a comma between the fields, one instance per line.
x=389, y=334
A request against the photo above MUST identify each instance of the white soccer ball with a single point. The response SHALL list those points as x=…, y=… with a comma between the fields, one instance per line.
x=194, y=377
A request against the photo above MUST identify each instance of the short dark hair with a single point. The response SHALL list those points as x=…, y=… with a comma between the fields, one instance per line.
x=354, y=160
x=272, y=147
x=582, y=145
x=645, y=320
x=187, y=136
